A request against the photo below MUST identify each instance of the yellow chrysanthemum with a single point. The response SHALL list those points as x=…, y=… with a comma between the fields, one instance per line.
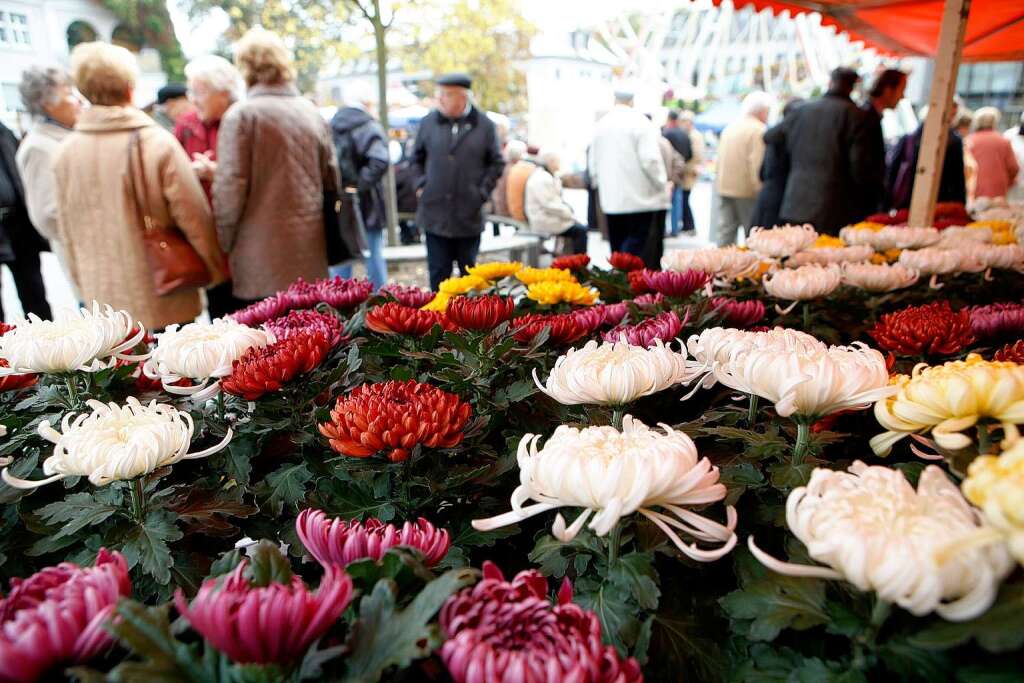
x=996, y=485
x=881, y=258
x=461, y=285
x=1003, y=237
x=439, y=303
x=950, y=398
x=828, y=242
x=496, y=269
x=530, y=276
x=867, y=225
x=762, y=268
x=550, y=293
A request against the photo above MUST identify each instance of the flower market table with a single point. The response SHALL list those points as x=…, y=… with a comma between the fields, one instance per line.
x=799, y=460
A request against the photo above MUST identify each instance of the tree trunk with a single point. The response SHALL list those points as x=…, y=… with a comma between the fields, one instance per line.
x=390, y=195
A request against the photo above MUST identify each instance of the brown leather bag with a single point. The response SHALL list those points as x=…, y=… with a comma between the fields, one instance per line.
x=173, y=262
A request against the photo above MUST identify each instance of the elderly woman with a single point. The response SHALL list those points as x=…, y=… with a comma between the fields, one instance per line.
x=275, y=160
x=546, y=210
x=214, y=84
x=116, y=167
x=993, y=154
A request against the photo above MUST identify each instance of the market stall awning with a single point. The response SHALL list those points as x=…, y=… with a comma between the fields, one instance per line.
x=995, y=28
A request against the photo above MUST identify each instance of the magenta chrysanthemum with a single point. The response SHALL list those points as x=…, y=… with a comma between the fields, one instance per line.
x=413, y=297
x=997, y=320
x=335, y=541
x=663, y=327
x=739, y=313
x=306, y=322
x=675, y=285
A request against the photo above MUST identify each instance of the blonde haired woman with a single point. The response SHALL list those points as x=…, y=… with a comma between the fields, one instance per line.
x=997, y=165
x=102, y=192
x=275, y=160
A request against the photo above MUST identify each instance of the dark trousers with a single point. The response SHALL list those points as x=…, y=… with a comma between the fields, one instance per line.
x=28, y=280
x=443, y=251
x=627, y=232
x=220, y=301
x=578, y=234
x=688, y=224
x=654, y=247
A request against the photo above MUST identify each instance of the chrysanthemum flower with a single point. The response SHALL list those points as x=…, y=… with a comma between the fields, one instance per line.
x=997, y=320
x=305, y=322
x=565, y=328
x=878, y=278
x=414, y=297
x=266, y=369
x=675, y=285
x=571, y=262
x=824, y=256
x=781, y=241
x=620, y=260
x=995, y=483
x=803, y=283
x=394, y=318
x=495, y=270
x=933, y=329
x=12, y=382
x=931, y=261
x=1013, y=352
x=549, y=293
x=722, y=262
x=601, y=315
x=462, y=285
x=531, y=276
x=739, y=313
x=335, y=541
x=663, y=327
x=480, y=313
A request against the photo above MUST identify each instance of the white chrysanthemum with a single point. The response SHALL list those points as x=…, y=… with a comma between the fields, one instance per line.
x=893, y=237
x=200, y=352
x=878, y=278
x=1004, y=256
x=781, y=241
x=931, y=261
x=76, y=339
x=826, y=255
x=613, y=474
x=115, y=443
x=875, y=531
x=720, y=346
x=803, y=283
x=810, y=382
x=957, y=236
x=722, y=262
x=614, y=373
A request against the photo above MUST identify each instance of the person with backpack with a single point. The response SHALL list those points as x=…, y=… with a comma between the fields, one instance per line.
x=362, y=161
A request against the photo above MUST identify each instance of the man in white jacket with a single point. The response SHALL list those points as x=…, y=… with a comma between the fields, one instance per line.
x=627, y=168
x=546, y=211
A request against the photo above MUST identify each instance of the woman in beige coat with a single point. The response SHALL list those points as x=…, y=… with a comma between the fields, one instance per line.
x=98, y=220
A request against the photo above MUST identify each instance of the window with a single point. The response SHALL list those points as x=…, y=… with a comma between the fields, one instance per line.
x=14, y=29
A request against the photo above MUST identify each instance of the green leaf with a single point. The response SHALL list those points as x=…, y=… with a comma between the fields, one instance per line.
x=1000, y=629
x=237, y=459
x=204, y=510
x=287, y=486
x=636, y=573
x=146, y=631
x=914, y=663
x=267, y=565
x=147, y=544
x=352, y=500
x=383, y=637
x=618, y=615
x=22, y=468
x=788, y=476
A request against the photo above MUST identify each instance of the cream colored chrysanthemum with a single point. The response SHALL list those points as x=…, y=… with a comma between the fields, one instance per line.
x=996, y=485
x=878, y=278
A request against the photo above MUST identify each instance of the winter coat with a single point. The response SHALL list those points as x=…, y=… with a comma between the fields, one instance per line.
x=952, y=184
x=740, y=153
x=17, y=234
x=275, y=160
x=626, y=165
x=828, y=172
x=370, y=152
x=773, y=175
x=997, y=165
x=458, y=171
x=873, y=199
x=546, y=211
x=675, y=167
x=680, y=140
x=515, y=188
x=198, y=137
x=99, y=223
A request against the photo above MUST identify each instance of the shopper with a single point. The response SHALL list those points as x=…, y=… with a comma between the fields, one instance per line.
x=675, y=168
x=50, y=98
x=694, y=165
x=997, y=164
x=171, y=104
x=514, y=151
x=546, y=210
x=458, y=159
x=275, y=161
x=1016, y=137
x=902, y=167
x=774, y=171
x=627, y=169
x=886, y=92
x=680, y=139
x=144, y=173
x=738, y=167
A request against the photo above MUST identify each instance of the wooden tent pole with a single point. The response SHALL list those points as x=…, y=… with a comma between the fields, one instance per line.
x=940, y=112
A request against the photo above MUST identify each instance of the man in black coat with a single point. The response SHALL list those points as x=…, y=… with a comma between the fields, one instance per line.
x=885, y=93
x=902, y=168
x=682, y=216
x=458, y=160
x=20, y=244
x=774, y=171
x=827, y=172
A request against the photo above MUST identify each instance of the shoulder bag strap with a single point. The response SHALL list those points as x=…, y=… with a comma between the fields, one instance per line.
x=141, y=200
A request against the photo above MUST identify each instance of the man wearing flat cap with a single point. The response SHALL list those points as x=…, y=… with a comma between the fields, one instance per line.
x=171, y=102
x=457, y=158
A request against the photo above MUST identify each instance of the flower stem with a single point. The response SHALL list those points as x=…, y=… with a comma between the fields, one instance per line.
x=807, y=317
x=617, y=418
x=803, y=438
x=614, y=540
x=220, y=405
x=71, y=382
x=984, y=439
x=138, y=501
x=752, y=411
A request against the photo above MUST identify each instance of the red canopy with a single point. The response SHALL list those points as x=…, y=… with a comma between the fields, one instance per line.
x=995, y=28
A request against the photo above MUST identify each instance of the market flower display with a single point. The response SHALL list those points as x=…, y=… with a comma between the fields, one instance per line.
x=739, y=313
x=413, y=297
x=571, y=262
x=721, y=262
x=272, y=624
x=803, y=283
x=502, y=631
x=305, y=322
x=663, y=327
x=117, y=442
x=614, y=373
x=826, y=255
x=637, y=282
x=268, y=368
x=550, y=293
x=480, y=313
x=202, y=352
x=627, y=263
x=933, y=329
x=1005, y=256
x=76, y=339
x=931, y=261
x=531, y=276
x=495, y=270
x=613, y=474
x=950, y=398
x=565, y=328
x=718, y=346
x=58, y=616
x=1013, y=352
x=394, y=417
x=995, y=484
x=336, y=541
x=869, y=527
x=675, y=285
x=394, y=318
x=337, y=292
x=997, y=320
x=781, y=241
x=878, y=278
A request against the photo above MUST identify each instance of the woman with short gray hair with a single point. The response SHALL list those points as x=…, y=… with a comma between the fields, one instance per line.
x=997, y=165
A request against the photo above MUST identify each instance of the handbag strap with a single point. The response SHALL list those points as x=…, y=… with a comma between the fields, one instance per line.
x=141, y=202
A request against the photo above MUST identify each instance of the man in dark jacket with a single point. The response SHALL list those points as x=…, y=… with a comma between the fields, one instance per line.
x=774, y=171
x=827, y=172
x=902, y=168
x=458, y=159
x=362, y=161
x=886, y=92
x=20, y=244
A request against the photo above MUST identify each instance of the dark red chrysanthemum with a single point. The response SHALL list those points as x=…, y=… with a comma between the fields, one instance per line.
x=565, y=328
x=336, y=541
x=304, y=322
x=264, y=369
x=664, y=326
x=336, y=292
x=260, y=312
x=1013, y=353
x=638, y=283
x=739, y=313
x=594, y=318
x=997, y=320
x=933, y=329
x=394, y=417
x=480, y=312
x=571, y=262
x=675, y=285
x=620, y=260
x=13, y=382
x=503, y=631
x=413, y=297
x=394, y=318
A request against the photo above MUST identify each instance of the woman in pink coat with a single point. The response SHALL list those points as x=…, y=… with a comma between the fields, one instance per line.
x=997, y=165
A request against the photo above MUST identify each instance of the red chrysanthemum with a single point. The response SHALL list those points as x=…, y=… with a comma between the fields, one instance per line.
x=260, y=312
x=933, y=329
x=664, y=326
x=413, y=297
x=565, y=328
x=394, y=417
x=675, y=285
x=336, y=292
x=620, y=260
x=336, y=541
x=1013, y=353
x=502, y=631
x=739, y=313
x=571, y=262
x=13, y=382
x=997, y=320
x=638, y=283
x=650, y=300
x=306, y=322
x=394, y=318
x=264, y=369
x=480, y=312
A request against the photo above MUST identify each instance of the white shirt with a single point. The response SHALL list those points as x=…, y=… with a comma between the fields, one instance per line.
x=626, y=164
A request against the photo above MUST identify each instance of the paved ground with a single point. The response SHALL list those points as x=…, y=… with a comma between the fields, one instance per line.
x=59, y=293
